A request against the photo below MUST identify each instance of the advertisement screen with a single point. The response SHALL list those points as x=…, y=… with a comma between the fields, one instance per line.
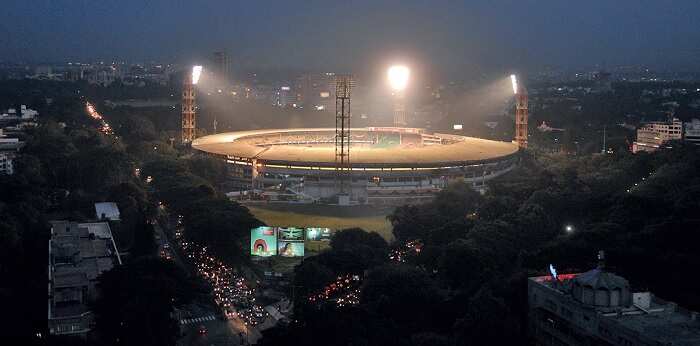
x=263, y=241
x=317, y=233
x=290, y=249
x=290, y=233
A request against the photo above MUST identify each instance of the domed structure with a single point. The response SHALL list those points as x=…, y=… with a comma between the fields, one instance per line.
x=602, y=289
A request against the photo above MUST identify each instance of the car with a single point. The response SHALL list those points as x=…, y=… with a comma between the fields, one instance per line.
x=202, y=329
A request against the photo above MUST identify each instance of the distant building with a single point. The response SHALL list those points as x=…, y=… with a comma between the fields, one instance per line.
x=78, y=254
x=603, y=82
x=316, y=91
x=654, y=135
x=103, y=76
x=24, y=113
x=598, y=308
x=9, y=149
x=107, y=211
x=221, y=65
x=285, y=97
x=692, y=131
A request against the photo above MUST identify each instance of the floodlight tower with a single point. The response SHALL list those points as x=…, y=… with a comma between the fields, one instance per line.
x=188, y=104
x=398, y=80
x=343, y=88
x=520, y=112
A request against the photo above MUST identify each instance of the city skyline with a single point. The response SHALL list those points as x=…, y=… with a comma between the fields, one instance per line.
x=441, y=37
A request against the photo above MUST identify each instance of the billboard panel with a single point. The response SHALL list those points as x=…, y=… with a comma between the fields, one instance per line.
x=290, y=233
x=290, y=249
x=263, y=241
x=317, y=233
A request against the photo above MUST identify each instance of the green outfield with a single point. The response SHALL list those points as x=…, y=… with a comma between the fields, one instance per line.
x=369, y=218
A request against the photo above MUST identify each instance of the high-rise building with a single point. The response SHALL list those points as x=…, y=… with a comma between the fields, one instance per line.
x=221, y=65
x=316, y=91
x=285, y=97
x=598, y=308
x=654, y=135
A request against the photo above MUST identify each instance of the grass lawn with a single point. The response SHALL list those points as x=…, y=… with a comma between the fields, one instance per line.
x=369, y=218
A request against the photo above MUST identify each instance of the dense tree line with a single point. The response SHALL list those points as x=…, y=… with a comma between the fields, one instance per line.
x=467, y=286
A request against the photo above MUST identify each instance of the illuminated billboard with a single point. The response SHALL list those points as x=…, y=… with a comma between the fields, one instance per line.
x=290, y=233
x=316, y=233
x=263, y=241
x=290, y=249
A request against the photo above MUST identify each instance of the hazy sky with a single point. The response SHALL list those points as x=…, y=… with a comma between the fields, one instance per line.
x=445, y=35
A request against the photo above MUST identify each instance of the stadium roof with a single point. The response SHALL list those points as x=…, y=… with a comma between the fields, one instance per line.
x=465, y=150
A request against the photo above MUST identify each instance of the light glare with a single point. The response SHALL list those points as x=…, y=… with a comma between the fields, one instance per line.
x=514, y=81
x=398, y=77
x=196, y=72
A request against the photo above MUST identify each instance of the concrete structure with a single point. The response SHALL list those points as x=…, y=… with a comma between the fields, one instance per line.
x=78, y=254
x=387, y=163
x=654, y=135
x=598, y=308
x=107, y=211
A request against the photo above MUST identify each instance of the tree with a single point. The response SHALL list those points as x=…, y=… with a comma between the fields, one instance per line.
x=456, y=201
x=144, y=240
x=488, y=321
x=465, y=266
x=136, y=300
x=403, y=294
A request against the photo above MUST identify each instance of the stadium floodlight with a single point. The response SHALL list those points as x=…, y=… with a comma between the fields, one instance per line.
x=398, y=77
x=196, y=72
x=514, y=81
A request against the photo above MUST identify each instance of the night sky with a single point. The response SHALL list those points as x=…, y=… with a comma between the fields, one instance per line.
x=448, y=36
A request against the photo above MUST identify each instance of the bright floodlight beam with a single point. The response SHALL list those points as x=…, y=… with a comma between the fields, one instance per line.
x=514, y=81
x=398, y=77
x=196, y=72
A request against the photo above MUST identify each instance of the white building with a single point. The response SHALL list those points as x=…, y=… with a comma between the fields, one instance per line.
x=9, y=147
x=23, y=114
x=657, y=134
x=692, y=131
x=599, y=308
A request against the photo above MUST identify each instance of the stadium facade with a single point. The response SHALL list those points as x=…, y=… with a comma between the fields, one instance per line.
x=388, y=164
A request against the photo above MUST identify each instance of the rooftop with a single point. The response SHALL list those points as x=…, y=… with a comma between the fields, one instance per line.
x=78, y=254
x=108, y=209
x=652, y=317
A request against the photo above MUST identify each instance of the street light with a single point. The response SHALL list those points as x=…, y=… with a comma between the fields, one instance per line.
x=398, y=77
x=196, y=72
x=514, y=81
x=569, y=228
x=398, y=80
